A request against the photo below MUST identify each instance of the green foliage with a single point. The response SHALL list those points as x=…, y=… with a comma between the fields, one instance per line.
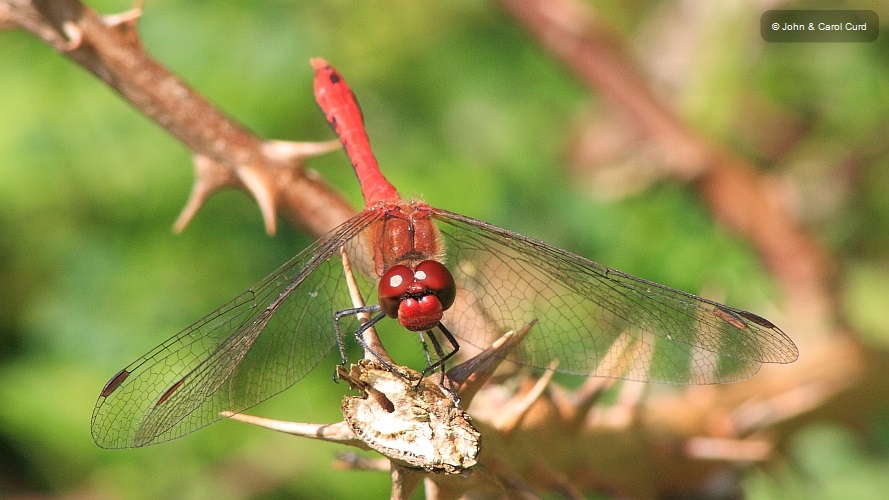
x=464, y=110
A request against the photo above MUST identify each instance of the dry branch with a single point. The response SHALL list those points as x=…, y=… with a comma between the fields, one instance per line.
x=226, y=153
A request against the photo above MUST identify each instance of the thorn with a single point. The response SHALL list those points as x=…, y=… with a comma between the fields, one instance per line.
x=125, y=17
x=731, y=450
x=125, y=23
x=760, y=414
x=472, y=374
x=262, y=188
x=586, y=398
x=612, y=367
x=74, y=34
x=630, y=395
x=513, y=416
x=623, y=413
x=209, y=178
x=297, y=151
x=335, y=433
x=616, y=362
x=194, y=203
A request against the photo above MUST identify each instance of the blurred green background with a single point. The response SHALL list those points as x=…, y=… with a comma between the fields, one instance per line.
x=464, y=110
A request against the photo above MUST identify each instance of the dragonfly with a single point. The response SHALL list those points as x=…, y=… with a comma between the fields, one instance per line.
x=437, y=273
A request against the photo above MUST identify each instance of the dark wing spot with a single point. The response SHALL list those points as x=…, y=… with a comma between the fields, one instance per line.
x=114, y=383
x=759, y=320
x=168, y=393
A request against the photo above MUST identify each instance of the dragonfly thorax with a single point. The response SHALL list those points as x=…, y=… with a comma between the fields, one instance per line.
x=404, y=234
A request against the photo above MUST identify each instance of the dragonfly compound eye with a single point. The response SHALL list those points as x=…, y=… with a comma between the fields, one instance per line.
x=393, y=285
x=437, y=278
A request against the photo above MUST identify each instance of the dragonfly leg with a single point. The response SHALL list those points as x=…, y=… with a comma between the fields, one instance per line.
x=425, y=347
x=359, y=337
x=442, y=357
x=337, y=316
x=439, y=353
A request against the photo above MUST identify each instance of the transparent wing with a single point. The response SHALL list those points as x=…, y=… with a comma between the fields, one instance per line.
x=594, y=320
x=248, y=350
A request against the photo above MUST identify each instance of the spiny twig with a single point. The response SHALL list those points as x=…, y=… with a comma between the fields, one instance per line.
x=225, y=153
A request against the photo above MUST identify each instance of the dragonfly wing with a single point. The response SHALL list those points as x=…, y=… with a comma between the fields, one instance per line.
x=593, y=320
x=248, y=350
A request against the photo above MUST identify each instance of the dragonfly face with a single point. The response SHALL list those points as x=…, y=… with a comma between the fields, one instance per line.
x=417, y=297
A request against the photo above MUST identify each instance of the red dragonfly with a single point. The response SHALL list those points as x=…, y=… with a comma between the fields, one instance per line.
x=437, y=273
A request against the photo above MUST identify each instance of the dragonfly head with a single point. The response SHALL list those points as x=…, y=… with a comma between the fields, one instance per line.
x=417, y=297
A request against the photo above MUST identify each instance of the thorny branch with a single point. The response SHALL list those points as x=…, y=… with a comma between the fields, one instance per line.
x=226, y=154
x=686, y=437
